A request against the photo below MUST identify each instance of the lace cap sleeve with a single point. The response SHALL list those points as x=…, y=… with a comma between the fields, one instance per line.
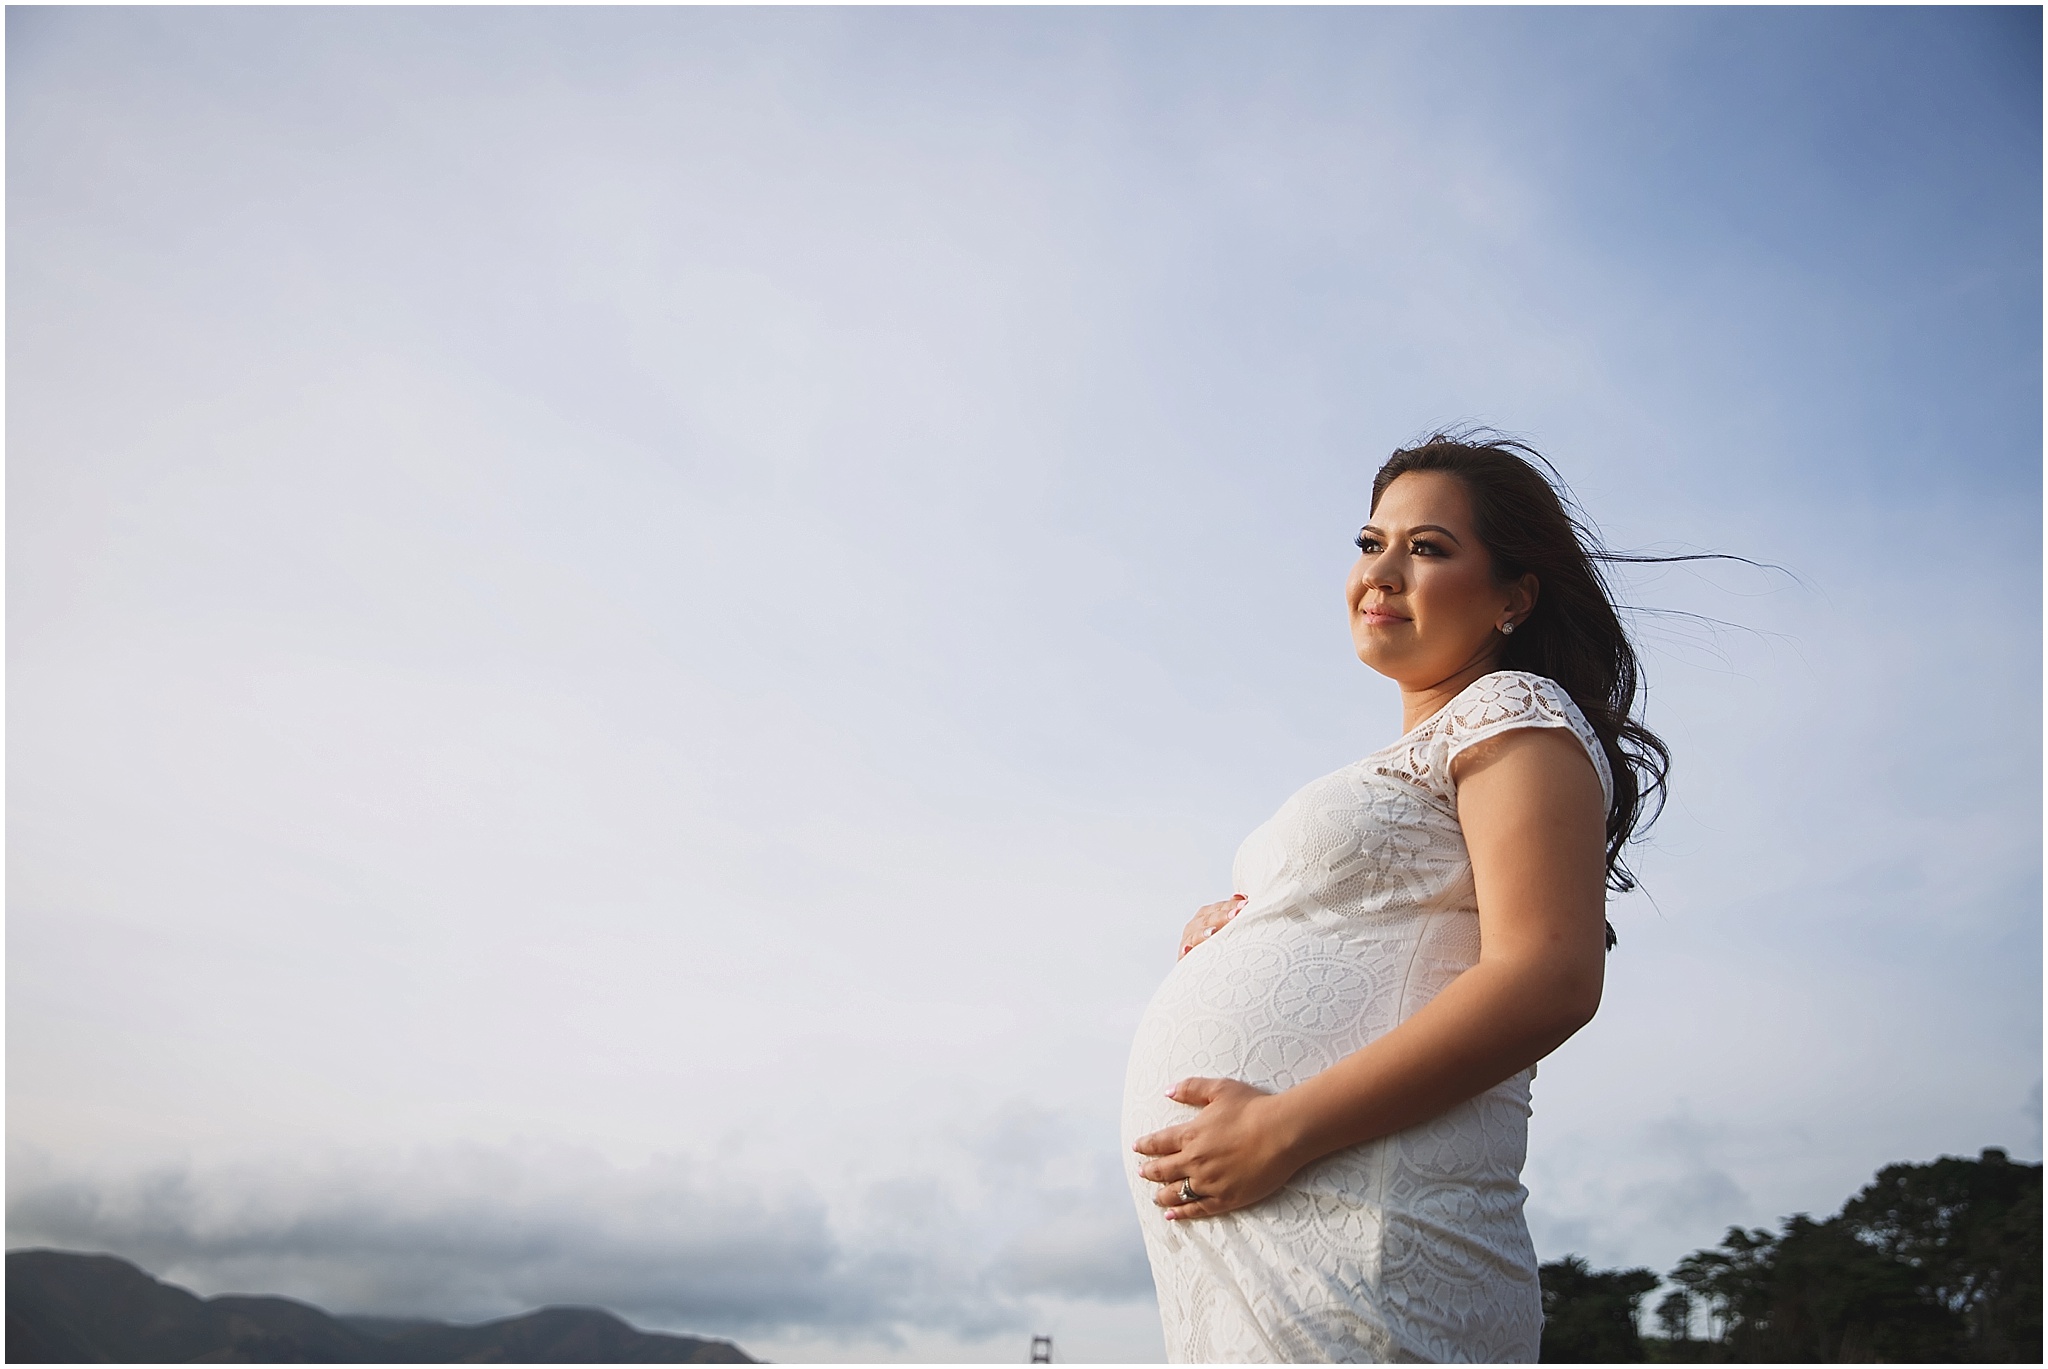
x=1510, y=699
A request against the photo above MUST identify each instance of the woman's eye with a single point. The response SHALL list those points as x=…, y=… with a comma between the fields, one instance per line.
x=1366, y=544
x=1425, y=549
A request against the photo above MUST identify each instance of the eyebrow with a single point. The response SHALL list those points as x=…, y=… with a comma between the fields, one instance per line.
x=1419, y=527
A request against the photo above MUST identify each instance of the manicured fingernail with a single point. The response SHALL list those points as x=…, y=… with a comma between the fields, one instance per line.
x=1169, y=1215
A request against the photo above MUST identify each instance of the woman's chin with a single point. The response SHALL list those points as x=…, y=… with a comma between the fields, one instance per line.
x=1375, y=650
x=1379, y=663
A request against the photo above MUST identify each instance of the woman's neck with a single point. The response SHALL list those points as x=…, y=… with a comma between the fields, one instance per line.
x=1417, y=705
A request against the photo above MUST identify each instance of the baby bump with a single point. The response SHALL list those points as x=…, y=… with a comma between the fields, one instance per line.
x=1265, y=1001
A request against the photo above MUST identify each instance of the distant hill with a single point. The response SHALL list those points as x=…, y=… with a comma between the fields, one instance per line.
x=69, y=1308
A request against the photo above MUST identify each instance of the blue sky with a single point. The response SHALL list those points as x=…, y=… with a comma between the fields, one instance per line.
x=632, y=631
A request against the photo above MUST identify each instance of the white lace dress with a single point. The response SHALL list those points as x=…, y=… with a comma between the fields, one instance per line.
x=1360, y=909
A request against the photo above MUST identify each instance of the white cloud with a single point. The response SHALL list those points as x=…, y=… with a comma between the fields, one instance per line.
x=695, y=1243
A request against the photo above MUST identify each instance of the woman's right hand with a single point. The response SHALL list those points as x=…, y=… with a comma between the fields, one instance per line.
x=1209, y=921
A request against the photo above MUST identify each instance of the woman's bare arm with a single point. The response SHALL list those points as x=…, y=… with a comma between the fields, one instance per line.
x=1534, y=822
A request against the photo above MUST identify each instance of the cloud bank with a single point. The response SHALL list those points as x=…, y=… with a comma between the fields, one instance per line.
x=472, y=1232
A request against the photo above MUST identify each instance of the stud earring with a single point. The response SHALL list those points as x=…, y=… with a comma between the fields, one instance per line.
x=1507, y=628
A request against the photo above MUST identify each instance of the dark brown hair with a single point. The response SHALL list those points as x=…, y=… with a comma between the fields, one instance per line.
x=1574, y=635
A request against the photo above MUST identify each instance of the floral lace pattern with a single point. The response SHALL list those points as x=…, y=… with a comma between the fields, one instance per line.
x=1359, y=910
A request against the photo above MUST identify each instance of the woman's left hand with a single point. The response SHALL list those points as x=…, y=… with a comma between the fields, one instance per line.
x=1232, y=1153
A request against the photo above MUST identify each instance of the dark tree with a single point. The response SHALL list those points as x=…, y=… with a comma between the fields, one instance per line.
x=1589, y=1316
x=1934, y=1262
x=1674, y=1315
x=1970, y=1230
x=1732, y=1282
x=1836, y=1299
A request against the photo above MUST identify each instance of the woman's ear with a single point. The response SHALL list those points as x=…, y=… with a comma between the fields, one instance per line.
x=1522, y=595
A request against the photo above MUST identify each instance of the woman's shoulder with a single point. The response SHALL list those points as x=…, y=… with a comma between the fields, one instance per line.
x=1492, y=704
x=1508, y=699
x=1511, y=694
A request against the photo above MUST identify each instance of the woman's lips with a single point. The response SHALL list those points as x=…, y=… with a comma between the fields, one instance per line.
x=1379, y=617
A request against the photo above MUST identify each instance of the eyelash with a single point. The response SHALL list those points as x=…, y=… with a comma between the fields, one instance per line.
x=1430, y=548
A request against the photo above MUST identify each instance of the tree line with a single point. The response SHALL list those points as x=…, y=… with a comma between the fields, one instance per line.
x=1933, y=1262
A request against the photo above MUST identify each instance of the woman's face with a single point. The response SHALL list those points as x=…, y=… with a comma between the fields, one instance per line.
x=1425, y=606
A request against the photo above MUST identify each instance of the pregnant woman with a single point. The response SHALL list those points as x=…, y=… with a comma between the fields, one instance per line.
x=1329, y=1096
